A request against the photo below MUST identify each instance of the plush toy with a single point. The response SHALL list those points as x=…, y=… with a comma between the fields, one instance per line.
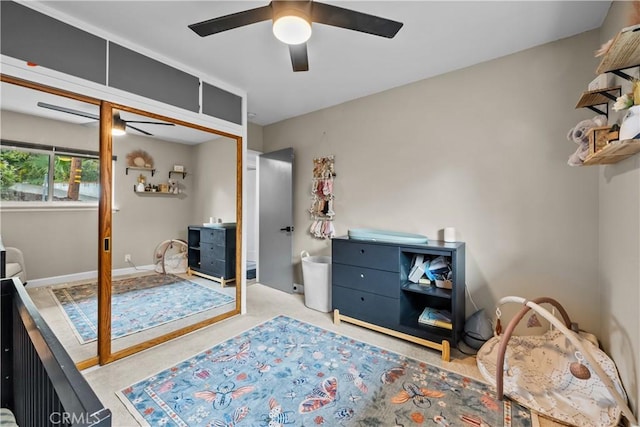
x=173, y=186
x=580, y=135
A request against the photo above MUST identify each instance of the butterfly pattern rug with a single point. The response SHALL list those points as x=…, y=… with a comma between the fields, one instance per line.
x=287, y=372
x=137, y=303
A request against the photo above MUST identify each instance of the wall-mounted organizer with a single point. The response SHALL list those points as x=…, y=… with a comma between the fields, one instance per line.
x=321, y=210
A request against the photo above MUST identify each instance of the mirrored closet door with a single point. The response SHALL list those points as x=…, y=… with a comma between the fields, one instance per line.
x=107, y=222
x=49, y=196
x=171, y=180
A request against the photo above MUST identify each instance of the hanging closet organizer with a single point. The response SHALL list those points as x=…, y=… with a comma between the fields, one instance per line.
x=321, y=210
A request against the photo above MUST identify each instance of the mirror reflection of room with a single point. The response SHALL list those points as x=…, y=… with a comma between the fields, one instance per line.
x=49, y=196
x=50, y=211
x=171, y=177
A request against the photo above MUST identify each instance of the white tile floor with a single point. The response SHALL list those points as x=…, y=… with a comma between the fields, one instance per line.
x=263, y=303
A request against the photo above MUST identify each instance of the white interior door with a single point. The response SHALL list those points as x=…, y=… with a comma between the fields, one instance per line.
x=275, y=198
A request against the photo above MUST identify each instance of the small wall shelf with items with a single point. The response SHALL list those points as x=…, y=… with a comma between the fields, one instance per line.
x=623, y=53
x=614, y=152
x=152, y=170
x=620, y=54
x=184, y=174
x=169, y=188
x=592, y=98
x=153, y=193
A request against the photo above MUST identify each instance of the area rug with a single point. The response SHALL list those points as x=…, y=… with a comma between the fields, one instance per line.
x=287, y=372
x=137, y=303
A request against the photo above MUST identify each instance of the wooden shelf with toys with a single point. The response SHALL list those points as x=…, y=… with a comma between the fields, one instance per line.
x=605, y=146
x=613, y=152
x=623, y=53
x=592, y=98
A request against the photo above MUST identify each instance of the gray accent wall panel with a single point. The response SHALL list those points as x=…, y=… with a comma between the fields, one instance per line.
x=222, y=104
x=139, y=74
x=32, y=36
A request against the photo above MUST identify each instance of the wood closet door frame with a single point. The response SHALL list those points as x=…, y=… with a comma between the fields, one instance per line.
x=104, y=353
x=104, y=348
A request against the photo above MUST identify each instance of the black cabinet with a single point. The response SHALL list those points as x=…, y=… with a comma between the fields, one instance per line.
x=212, y=252
x=371, y=288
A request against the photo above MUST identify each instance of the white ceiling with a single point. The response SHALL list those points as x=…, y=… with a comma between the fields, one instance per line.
x=437, y=37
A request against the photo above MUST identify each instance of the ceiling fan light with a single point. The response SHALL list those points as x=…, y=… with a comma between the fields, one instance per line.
x=292, y=29
x=118, y=127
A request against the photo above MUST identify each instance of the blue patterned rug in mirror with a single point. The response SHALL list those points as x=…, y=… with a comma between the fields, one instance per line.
x=138, y=303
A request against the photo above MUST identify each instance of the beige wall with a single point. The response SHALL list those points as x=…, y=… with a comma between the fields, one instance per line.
x=215, y=181
x=142, y=221
x=619, y=248
x=481, y=149
x=60, y=242
x=254, y=137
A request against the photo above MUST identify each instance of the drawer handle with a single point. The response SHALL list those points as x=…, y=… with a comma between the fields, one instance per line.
x=361, y=251
x=362, y=275
x=362, y=299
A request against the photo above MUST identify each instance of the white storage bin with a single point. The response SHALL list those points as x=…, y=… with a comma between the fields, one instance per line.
x=316, y=274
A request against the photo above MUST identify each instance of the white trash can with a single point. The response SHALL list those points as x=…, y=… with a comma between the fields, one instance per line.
x=316, y=275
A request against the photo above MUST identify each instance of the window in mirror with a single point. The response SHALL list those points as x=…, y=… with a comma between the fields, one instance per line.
x=48, y=174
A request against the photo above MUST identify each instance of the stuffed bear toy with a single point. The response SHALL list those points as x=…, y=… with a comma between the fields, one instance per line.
x=580, y=135
x=173, y=186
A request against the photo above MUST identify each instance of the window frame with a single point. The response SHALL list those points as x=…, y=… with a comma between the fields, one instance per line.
x=52, y=151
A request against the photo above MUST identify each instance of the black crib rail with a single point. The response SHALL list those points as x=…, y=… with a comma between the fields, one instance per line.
x=40, y=382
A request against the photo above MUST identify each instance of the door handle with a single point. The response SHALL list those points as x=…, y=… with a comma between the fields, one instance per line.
x=287, y=228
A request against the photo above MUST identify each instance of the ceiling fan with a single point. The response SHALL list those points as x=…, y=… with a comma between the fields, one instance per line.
x=119, y=125
x=292, y=24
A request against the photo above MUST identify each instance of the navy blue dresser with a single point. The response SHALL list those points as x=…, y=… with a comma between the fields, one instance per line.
x=370, y=288
x=212, y=252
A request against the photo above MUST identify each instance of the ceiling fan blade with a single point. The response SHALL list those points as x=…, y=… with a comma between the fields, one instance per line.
x=68, y=110
x=299, y=58
x=234, y=20
x=139, y=130
x=352, y=20
x=149, y=123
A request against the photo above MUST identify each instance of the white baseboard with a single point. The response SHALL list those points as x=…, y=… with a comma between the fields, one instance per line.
x=56, y=280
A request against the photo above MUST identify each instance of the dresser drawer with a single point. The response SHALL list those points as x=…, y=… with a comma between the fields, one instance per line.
x=366, y=279
x=214, y=236
x=212, y=266
x=218, y=267
x=377, y=309
x=380, y=257
x=215, y=251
